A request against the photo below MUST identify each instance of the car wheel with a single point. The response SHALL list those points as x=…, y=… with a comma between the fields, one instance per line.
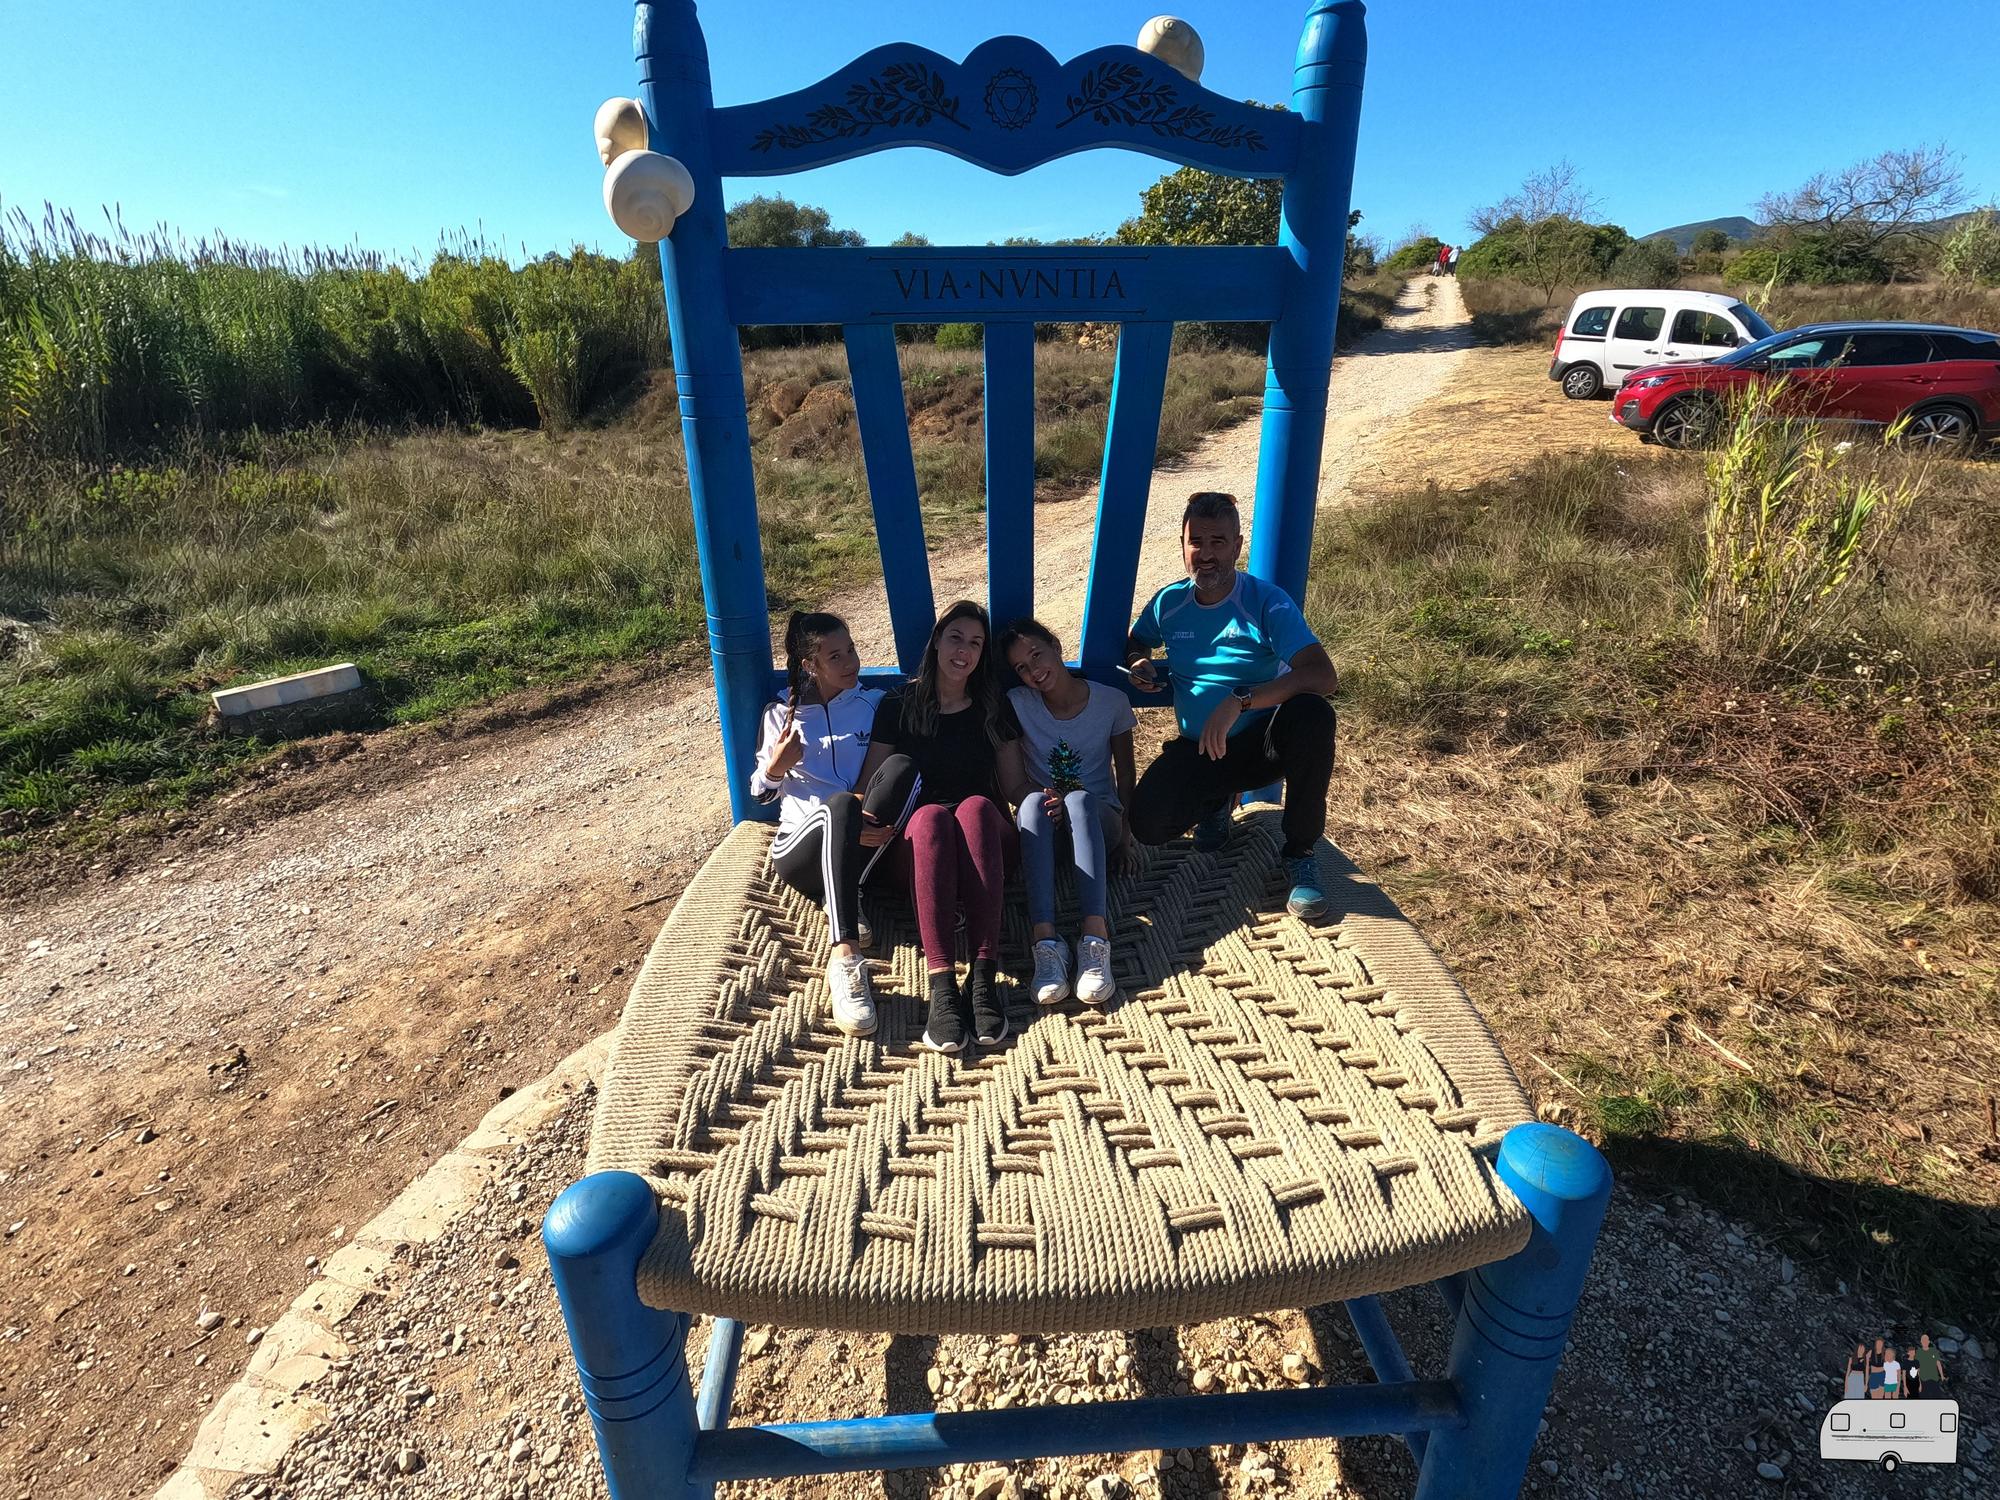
x=1685, y=422
x=1582, y=382
x=1941, y=429
x=1890, y=1463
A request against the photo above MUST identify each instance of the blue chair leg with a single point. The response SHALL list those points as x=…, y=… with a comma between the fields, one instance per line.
x=1515, y=1315
x=632, y=1358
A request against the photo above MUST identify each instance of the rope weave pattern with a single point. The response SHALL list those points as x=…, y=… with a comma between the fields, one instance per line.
x=1273, y=1114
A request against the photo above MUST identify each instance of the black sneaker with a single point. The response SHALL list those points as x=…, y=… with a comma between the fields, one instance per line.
x=945, y=1030
x=989, y=1005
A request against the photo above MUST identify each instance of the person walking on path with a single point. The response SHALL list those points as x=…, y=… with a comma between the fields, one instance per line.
x=1250, y=682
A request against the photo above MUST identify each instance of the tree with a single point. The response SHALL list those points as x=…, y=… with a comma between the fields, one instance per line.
x=780, y=224
x=1709, y=242
x=1193, y=207
x=1867, y=221
x=909, y=239
x=1418, y=250
x=1649, y=263
x=1540, y=234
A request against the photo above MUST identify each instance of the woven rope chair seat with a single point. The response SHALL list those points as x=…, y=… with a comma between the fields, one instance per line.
x=1272, y=1113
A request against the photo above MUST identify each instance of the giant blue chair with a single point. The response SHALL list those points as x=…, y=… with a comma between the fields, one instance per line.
x=1279, y=1113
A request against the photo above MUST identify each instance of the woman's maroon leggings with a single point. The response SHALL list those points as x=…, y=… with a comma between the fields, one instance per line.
x=952, y=856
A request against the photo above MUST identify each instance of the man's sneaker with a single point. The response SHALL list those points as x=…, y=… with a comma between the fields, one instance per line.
x=989, y=1005
x=1094, y=984
x=1212, y=832
x=1307, y=900
x=1051, y=972
x=945, y=1030
x=853, y=1003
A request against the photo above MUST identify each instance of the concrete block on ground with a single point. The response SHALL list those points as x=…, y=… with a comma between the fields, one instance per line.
x=304, y=703
x=295, y=1351
x=329, y=1302
x=362, y=1266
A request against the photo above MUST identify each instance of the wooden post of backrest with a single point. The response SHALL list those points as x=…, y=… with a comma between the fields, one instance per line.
x=708, y=373
x=1131, y=440
x=892, y=487
x=1010, y=471
x=1326, y=95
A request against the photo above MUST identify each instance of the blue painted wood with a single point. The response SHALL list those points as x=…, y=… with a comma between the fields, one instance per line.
x=1131, y=443
x=931, y=1439
x=631, y=1358
x=1093, y=283
x=708, y=373
x=1385, y=1355
x=1010, y=471
x=1326, y=96
x=1009, y=106
x=1515, y=1316
x=718, y=1374
x=892, y=485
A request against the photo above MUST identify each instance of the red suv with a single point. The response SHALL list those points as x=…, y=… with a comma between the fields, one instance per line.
x=1946, y=381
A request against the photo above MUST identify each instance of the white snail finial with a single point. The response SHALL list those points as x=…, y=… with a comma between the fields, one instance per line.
x=645, y=192
x=620, y=127
x=1174, y=43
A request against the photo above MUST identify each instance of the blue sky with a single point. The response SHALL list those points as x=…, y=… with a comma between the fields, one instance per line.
x=382, y=124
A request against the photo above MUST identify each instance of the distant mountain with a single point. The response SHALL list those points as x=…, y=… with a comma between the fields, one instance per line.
x=1735, y=226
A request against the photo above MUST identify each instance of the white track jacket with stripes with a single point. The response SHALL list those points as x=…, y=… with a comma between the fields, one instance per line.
x=837, y=736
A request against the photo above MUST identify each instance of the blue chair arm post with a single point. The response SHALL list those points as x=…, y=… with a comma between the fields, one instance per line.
x=708, y=373
x=631, y=1358
x=1514, y=1317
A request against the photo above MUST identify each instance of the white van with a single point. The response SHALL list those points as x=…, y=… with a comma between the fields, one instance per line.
x=1605, y=336
x=1891, y=1433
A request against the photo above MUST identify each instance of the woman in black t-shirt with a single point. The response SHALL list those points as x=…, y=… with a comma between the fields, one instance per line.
x=957, y=730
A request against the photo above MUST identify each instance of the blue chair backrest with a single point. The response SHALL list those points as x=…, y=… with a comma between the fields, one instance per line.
x=1008, y=107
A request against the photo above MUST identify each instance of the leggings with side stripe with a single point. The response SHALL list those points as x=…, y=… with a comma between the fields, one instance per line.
x=823, y=857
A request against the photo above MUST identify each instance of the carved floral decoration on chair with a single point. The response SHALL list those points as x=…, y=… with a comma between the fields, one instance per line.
x=916, y=94
x=1011, y=98
x=904, y=94
x=1123, y=93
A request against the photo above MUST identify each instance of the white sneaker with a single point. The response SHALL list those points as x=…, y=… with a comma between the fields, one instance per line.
x=853, y=1003
x=1051, y=972
x=1094, y=984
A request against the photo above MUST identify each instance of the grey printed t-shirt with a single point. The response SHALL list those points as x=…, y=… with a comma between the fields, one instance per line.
x=1088, y=735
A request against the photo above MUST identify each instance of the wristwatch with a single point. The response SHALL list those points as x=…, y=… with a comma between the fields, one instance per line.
x=1242, y=696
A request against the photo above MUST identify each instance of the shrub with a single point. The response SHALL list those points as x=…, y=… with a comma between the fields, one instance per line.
x=960, y=335
x=1795, y=522
x=1409, y=258
x=1971, y=256
x=1648, y=263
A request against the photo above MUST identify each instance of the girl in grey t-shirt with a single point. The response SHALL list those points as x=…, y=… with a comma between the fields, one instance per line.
x=1076, y=739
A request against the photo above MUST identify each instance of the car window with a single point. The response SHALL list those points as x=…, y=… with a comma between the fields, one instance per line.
x=1748, y=317
x=1960, y=346
x=1692, y=326
x=1744, y=354
x=1841, y=1421
x=1809, y=354
x=1895, y=1419
x=1640, y=323
x=1889, y=349
x=1591, y=323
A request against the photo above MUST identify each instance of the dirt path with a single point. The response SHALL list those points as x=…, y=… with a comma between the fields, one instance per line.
x=214, y=1061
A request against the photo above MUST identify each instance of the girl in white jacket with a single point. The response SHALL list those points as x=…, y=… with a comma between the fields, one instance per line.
x=809, y=757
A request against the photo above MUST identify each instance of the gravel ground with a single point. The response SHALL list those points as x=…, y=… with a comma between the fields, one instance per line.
x=1687, y=1375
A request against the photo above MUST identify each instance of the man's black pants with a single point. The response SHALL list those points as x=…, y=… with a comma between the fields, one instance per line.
x=1293, y=745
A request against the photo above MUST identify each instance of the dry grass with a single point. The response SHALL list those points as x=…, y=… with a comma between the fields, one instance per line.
x=454, y=566
x=1738, y=926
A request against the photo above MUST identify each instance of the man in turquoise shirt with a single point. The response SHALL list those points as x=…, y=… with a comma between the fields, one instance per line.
x=1250, y=681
